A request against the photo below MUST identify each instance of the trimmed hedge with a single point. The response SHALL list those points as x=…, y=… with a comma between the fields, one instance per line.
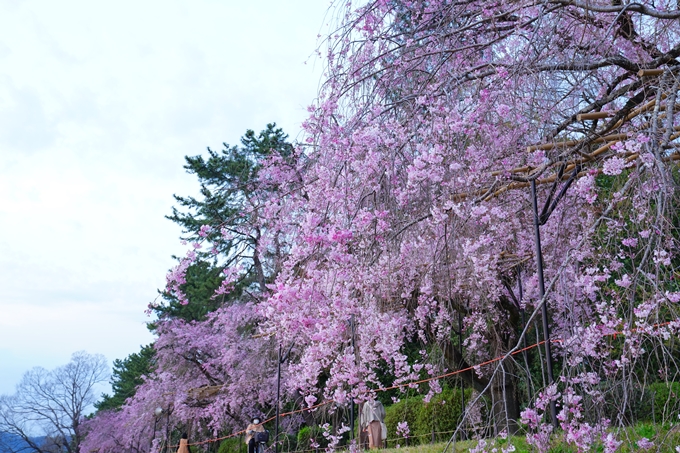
x=441, y=415
x=405, y=410
x=231, y=445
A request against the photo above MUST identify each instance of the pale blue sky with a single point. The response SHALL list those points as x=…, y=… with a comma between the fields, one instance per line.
x=99, y=103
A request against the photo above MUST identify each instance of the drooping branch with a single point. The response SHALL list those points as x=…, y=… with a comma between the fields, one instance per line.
x=631, y=7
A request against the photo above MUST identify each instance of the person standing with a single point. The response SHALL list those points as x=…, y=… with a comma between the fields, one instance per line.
x=373, y=423
x=254, y=427
x=183, y=444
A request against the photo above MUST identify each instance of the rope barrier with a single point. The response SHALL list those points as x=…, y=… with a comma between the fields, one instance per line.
x=345, y=447
x=422, y=381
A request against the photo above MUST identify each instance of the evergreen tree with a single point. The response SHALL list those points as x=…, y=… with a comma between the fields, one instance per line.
x=127, y=376
x=202, y=280
x=225, y=218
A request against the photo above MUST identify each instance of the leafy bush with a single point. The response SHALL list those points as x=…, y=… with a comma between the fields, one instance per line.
x=609, y=401
x=405, y=410
x=666, y=398
x=288, y=442
x=658, y=402
x=646, y=430
x=309, y=433
x=441, y=415
x=231, y=445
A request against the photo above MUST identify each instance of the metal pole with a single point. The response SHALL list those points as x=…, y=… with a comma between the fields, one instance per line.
x=153, y=436
x=544, y=305
x=351, y=398
x=278, y=405
x=524, y=325
x=463, y=432
x=167, y=430
x=460, y=336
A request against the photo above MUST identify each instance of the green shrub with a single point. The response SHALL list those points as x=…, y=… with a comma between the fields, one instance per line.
x=309, y=433
x=405, y=410
x=288, y=442
x=657, y=403
x=614, y=393
x=666, y=397
x=231, y=445
x=441, y=415
x=646, y=430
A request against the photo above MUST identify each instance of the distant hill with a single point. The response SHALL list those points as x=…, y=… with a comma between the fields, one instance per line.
x=12, y=443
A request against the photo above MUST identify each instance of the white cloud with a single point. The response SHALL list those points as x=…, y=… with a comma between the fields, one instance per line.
x=99, y=104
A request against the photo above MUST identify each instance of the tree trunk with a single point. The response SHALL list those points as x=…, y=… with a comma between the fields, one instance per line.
x=504, y=409
x=503, y=394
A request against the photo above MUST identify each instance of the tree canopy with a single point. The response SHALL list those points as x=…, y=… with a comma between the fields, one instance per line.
x=207, y=348
x=48, y=407
x=409, y=210
x=226, y=215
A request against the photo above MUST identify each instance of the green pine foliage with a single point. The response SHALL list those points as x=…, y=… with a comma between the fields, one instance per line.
x=126, y=376
x=228, y=182
x=203, y=278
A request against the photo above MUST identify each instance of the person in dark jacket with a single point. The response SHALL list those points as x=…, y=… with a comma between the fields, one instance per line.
x=254, y=427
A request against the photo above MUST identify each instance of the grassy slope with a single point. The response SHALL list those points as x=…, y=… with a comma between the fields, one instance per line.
x=665, y=440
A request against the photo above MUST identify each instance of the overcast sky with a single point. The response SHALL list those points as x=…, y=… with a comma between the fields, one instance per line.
x=99, y=103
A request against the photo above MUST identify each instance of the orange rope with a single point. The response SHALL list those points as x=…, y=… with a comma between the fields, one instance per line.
x=238, y=433
x=421, y=381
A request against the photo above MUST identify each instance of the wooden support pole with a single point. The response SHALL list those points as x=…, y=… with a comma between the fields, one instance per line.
x=544, y=304
x=606, y=138
x=525, y=169
x=570, y=164
x=607, y=142
x=601, y=150
x=550, y=179
x=567, y=144
x=648, y=106
x=643, y=108
x=593, y=116
x=649, y=72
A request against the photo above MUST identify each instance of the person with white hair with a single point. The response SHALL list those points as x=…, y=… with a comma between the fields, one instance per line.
x=373, y=423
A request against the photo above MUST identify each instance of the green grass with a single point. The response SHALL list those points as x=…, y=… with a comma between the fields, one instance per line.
x=665, y=438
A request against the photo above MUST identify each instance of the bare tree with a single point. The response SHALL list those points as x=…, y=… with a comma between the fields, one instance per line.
x=48, y=406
